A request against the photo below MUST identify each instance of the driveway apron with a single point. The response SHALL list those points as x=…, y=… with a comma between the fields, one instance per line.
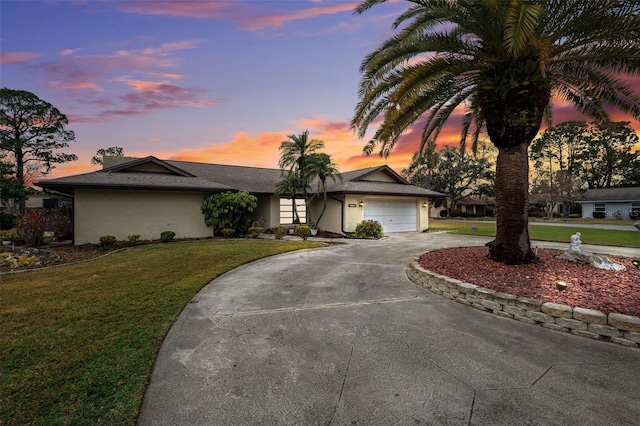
x=340, y=336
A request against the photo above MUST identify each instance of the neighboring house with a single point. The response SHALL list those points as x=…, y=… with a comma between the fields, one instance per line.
x=623, y=203
x=147, y=196
x=471, y=205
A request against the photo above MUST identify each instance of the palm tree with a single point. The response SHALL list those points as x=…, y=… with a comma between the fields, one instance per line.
x=504, y=61
x=293, y=157
x=294, y=151
x=290, y=186
x=320, y=166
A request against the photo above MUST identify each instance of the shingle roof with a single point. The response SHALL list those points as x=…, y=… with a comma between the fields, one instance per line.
x=205, y=177
x=133, y=180
x=611, y=194
x=255, y=180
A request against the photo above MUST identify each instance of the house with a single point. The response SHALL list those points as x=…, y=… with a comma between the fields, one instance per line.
x=147, y=196
x=623, y=203
x=468, y=206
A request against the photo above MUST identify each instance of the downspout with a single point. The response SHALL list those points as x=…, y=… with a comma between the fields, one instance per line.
x=341, y=214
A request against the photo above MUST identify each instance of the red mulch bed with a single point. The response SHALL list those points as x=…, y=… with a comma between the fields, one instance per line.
x=588, y=287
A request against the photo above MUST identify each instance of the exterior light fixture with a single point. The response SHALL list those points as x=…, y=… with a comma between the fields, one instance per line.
x=425, y=204
x=361, y=203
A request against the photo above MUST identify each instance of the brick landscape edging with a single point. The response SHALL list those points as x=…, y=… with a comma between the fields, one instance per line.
x=616, y=328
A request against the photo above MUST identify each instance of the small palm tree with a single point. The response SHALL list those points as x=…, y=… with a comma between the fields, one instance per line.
x=291, y=186
x=320, y=166
x=503, y=61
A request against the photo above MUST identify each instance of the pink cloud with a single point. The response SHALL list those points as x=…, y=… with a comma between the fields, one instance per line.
x=277, y=20
x=16, y=57
x=248, y=18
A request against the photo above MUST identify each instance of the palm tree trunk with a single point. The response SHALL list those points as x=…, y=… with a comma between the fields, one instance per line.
x=511, y=244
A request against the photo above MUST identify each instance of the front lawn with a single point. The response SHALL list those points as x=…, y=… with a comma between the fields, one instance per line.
x=78, y=343
x=603, y=237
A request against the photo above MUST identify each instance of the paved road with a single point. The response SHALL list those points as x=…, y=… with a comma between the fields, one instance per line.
x=340, y=336
x=574, y=225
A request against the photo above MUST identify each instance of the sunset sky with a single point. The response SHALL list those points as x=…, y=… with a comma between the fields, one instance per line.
x=209, y=81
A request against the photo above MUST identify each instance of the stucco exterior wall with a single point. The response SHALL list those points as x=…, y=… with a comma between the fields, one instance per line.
x=353, y=212
x=268, y=211
x=332, y=218
x=148, y=213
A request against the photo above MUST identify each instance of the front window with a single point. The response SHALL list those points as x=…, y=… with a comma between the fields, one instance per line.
x=289, y=215
x=600, y=207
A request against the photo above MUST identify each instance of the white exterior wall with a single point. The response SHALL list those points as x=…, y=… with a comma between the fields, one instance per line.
x=609, y=207
x=148, y=213
x=587, y=210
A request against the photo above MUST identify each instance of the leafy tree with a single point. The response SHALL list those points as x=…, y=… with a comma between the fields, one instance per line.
x=504, y=61
x=229, y=210
x=113, y=151
x=459, y=175
x=596, y=155
x=290, y=186
x=604, y=156
x=320, y=167
x=420, y=171
x=12, y=191
x=31, y=132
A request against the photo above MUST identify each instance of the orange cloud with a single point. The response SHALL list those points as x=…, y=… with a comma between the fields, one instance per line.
x=74, y=85
x=244, y=150
x=16, y=57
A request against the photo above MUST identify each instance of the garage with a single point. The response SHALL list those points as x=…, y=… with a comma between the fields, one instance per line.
x=394, y=215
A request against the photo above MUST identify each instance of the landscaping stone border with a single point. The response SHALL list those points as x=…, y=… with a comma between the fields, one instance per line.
x=616, y=328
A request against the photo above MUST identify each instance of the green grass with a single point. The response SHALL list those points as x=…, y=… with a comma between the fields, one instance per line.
x=603, y=237
x=78, y=343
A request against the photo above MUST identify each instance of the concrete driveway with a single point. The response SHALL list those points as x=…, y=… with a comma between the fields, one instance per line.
x=340, y=336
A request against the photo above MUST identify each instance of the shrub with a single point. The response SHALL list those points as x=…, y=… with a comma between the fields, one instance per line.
x=574, y=216
x=444, y=213
x=133, y=238
x=230, y=210
x=32, y=226
x=227, y=232
x=255, y=231
x=7, y=220
x=106, y=241
x=557, y=215
x=60, y=223
x=488, y=212
x=456, y=213
x=303, y=231
x=369, y=229
x=599, y=215
x=279, y=231
x=9, y=235
x=166, y=236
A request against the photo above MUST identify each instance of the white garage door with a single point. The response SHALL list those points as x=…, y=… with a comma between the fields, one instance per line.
x=394, y=215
